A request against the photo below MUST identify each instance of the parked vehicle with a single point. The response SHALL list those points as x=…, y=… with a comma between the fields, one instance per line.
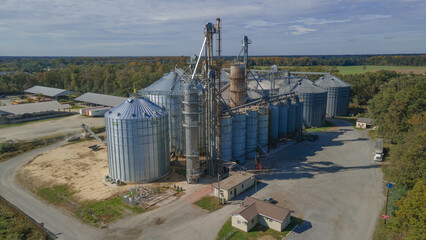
x=378, y=150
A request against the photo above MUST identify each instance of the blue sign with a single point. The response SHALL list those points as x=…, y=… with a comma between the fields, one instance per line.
x=389, y=185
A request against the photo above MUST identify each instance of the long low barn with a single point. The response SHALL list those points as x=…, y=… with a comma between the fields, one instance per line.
x=30, y=108
x=49, y=91
x=100, y=99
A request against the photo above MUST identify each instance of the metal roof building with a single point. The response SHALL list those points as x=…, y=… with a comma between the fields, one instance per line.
x=49, y=91
x=32, y=108
x=101, y=99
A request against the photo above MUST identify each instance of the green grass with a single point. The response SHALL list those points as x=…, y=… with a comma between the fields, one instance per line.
x=94, y=212
x=16, y=225
x=209, y=203
x=258, y=231
x=76, y=107
x=56, y=194
x=10, y=150
x=327, y=126
x=344, y=70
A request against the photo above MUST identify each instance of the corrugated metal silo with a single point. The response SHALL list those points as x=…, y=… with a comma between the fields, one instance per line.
x=167, y=92
x=263, y=127
x=137, y=141
x=314, y=101
x=251, y=133
x=291, y=116
x=338, y=93
x=226, y=144
x=274, y=116
x=239, y=137
x=283, y=118
x=299, y=113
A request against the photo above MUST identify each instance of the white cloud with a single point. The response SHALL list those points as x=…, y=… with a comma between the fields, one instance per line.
x=374, y=17
x=314, y=21
x=299, y=30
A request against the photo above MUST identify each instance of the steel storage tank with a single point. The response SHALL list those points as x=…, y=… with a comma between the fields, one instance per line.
x=338, y=93
x=314, y=101
x=299, y=114
x=137, y=141
x=263, y=128
x=291, y=117
x=251, y=133
x=274, y=116
x=239, y=137
x=283, y=117
x=226, y=139
x=167, y=92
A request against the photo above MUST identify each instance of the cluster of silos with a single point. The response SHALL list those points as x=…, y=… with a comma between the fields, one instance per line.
x=314, y=100
x=244, y=132
x=168, y=92
x=285, y=118
x=338, y=93
x=137, y=141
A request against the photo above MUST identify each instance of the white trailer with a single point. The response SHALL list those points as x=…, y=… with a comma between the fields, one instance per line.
x=378, y=150
x=98, y=111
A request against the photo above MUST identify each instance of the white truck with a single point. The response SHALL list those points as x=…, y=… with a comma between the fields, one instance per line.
x=378, y=150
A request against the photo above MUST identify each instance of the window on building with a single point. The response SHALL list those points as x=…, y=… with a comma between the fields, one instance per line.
x=242, y=186
x=252, y=221
x=238, y=221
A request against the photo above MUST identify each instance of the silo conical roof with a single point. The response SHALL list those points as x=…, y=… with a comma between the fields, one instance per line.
x=171, y=81
x=303, y=85
x=331, y=81
x=136, y=108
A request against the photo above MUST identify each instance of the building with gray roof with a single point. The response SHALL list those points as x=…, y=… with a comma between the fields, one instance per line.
x=100, y=99
x=30, y=108
x=48, y=91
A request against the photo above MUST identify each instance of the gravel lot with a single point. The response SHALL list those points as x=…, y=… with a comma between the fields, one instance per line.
x=332, y=183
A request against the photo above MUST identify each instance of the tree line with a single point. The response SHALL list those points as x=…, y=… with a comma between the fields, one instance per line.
x=399, y=111
x=114, y=79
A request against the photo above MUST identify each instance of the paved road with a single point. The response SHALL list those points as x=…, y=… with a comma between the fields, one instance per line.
x=332, y=183
x=55, y=220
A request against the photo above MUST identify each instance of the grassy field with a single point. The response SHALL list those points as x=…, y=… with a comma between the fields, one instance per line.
x=344, y=70
x=328, y=126
x=209, y=203
x=16, y=225
x=94, y=213
x=257, y=232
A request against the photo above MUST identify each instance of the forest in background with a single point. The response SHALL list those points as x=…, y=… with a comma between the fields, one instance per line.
x=120, y=75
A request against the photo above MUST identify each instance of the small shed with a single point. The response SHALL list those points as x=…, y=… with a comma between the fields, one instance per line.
x=234, y=185
x=364, y=123
x=254, y=211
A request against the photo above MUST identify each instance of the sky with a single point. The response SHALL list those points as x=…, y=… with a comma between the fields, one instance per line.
x=175, y=28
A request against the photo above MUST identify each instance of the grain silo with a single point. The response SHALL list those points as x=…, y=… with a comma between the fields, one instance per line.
x=338, y=93
x=239, y=137
x=274, y=116
x=137, y=141
x=251, y=133
x=226, y=139
x=314, y=101
x=168, y=92
x=283, y=119
x=263, y=127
